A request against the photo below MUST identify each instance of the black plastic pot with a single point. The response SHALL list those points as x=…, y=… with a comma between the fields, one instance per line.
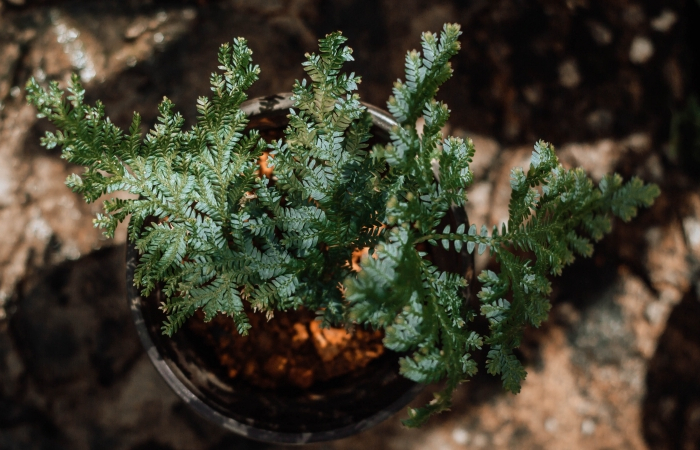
x=329, y=410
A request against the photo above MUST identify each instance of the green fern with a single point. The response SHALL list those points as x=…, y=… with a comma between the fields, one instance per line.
x=214, y=234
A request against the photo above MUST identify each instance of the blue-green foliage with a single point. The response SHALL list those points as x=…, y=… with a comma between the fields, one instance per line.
x=420, y=306
x=333, y=198
x=215, y=233
x=191, y=183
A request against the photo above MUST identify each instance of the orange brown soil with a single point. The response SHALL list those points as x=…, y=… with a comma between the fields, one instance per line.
x=289, y=350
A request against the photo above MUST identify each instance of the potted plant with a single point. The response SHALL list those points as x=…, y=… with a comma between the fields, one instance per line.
x=213, y=235
x=256, y=404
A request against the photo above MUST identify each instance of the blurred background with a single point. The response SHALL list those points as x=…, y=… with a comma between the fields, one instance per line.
x=613, y=84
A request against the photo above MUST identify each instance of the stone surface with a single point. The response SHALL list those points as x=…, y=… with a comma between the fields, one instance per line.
x=617, y=364
x=641, y=50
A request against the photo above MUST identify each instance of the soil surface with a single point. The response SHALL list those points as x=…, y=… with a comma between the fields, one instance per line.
x=616, y=366
x=289, y=350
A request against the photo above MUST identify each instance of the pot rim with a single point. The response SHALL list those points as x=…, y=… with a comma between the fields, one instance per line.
x=260, y=105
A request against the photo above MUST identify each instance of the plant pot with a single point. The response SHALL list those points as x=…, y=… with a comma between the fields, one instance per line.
x=327, y=410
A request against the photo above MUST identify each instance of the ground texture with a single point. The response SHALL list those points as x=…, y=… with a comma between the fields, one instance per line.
x=616, y=366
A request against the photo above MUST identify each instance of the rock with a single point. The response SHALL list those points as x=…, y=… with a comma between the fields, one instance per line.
x=600, y=120
x=569, y=75
x=600, y=33
x=602, y=156
x=301, y=335
x=486, y=152
x=499, y=177
x=671, y=406
x=691, y=227
x=329, y=342
x=12, y=367
x=664, y=21
x=533, y=94
x=634, y=15
x=479, y=207
x=71, y=322
x=674, y=78
x=667, y=261
x=9, y=54
x=641, y=50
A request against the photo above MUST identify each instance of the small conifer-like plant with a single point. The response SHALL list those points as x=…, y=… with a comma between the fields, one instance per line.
x=224, y=234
